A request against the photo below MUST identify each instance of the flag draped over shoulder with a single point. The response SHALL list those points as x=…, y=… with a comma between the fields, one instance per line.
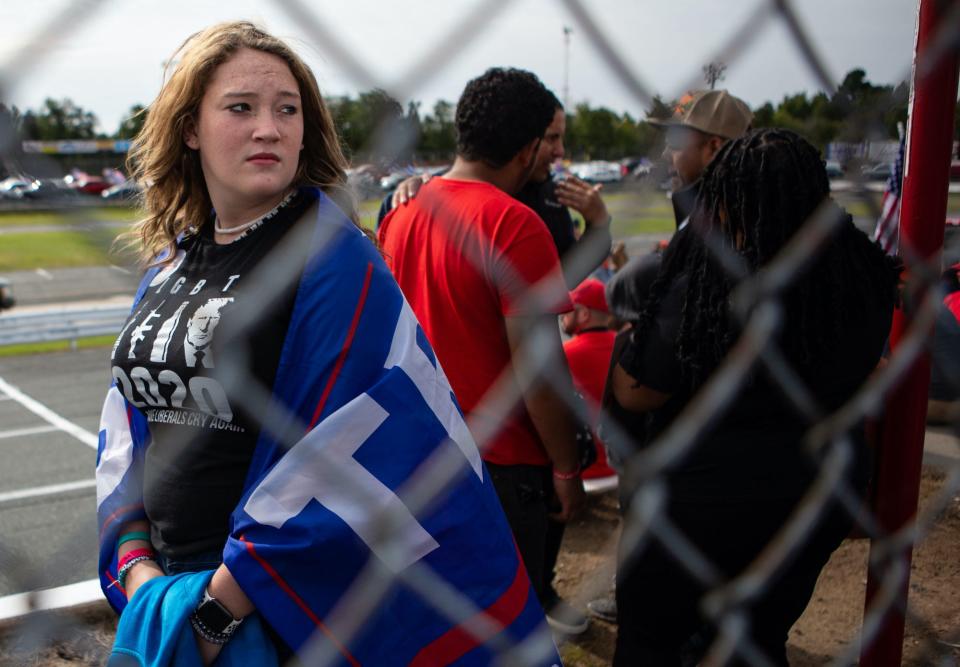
x=887, y=233
x=358, y=370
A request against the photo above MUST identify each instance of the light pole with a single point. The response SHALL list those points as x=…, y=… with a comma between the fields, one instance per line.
x=566, y=66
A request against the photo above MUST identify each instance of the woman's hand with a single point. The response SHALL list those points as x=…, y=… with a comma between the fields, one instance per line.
x=408, y=189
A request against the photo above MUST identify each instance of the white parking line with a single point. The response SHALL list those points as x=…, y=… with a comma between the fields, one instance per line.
x=48, y=415
x=46, y=490
x=43, y=273
x=30, y=430
x=71, y=595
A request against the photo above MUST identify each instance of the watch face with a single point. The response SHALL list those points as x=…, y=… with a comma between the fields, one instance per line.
x=214, y=616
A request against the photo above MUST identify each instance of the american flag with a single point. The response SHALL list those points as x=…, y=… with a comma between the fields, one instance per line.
x=887, y=233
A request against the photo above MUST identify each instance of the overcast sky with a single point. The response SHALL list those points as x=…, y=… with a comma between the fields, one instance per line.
x=109, y=56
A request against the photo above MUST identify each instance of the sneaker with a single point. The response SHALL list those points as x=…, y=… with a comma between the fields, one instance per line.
x=603, y=608
x=565, y=619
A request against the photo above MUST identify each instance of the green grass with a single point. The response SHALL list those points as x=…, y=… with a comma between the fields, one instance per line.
x=634, y=212
x=55, y=346
x=643, y=212
x=368, y=213
x=25, y=250
x=68, y=217
x=857, y=207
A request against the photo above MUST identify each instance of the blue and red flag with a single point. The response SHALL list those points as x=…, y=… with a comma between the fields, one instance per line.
x=887, y=232
x=318, y=516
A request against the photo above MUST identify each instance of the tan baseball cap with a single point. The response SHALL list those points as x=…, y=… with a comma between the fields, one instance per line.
x=711, y=111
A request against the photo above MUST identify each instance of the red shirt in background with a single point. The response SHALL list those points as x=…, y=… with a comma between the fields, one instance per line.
x=588, y=354
x=465, y=254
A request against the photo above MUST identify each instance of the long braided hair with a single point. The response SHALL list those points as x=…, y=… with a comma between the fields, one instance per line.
x=757, y=192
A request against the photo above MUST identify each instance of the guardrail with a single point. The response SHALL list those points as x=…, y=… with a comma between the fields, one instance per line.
x=68, y=324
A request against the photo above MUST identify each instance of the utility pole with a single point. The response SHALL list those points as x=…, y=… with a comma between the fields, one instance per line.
x=566, y=67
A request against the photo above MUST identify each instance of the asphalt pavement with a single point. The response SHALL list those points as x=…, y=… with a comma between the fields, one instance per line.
x=49, y=286
x=49, y=417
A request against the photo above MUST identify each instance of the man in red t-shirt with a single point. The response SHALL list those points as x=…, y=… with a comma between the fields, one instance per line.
x=588, y=354
x=482, y=275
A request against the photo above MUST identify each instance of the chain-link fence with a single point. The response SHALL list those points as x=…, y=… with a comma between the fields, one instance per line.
x=757, y=303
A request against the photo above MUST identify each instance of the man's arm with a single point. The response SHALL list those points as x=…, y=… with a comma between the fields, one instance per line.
x=543, y=396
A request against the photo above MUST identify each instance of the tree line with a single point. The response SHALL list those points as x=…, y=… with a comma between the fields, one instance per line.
x=859, y=110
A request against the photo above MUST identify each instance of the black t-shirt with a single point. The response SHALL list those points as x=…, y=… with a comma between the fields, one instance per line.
x=754, y=449
x=542, y=198
x=578, y=257
x=165, y=363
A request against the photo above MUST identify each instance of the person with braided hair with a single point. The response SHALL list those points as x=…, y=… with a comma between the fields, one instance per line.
x=747, y=471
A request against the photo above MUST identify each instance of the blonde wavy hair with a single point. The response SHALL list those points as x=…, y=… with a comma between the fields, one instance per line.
x=175, y=194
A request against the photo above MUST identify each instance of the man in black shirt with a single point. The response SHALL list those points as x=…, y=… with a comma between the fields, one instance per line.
x=550, y=200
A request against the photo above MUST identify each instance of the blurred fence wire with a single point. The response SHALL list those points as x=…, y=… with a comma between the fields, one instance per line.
x=757, y=302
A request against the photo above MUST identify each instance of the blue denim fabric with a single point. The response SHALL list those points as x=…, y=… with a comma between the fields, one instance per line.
x=205, y=560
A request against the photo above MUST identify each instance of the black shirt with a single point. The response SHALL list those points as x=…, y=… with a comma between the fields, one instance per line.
x=165, y=363
x=754, y=448
x=578, y=257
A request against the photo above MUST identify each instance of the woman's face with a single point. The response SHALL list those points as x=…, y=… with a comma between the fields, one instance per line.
x=249, y=132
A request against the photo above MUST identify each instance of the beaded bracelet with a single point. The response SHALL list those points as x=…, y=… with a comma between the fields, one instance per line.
x=206, y=633
x=575, y=474
x=127, y=566
x=135, y=535
x=134, y=553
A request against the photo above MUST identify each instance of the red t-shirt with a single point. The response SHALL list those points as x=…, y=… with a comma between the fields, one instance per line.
x=465, y=254
x=952, y=302
x=588, y=355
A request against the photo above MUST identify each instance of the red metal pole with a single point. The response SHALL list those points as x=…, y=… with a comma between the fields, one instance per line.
x=922, y=215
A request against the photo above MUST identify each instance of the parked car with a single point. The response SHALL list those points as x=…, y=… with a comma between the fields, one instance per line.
x=13, y=187
x=49, y=188
x=597, y=172
x=94, y=186
x=834, y=169
x=6, y=294
x=878, y=172
x=363, y=182
x=127, y=190
x=83, y=182
x=392, y=180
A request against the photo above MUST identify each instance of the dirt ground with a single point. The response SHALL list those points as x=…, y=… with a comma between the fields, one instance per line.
x=826, y=630
x=833, y=619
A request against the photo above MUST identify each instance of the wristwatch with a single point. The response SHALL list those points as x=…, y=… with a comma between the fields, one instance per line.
x=214, y=619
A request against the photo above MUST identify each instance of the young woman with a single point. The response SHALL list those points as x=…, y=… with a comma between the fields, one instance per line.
x=276, y=407
x=748, y=470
